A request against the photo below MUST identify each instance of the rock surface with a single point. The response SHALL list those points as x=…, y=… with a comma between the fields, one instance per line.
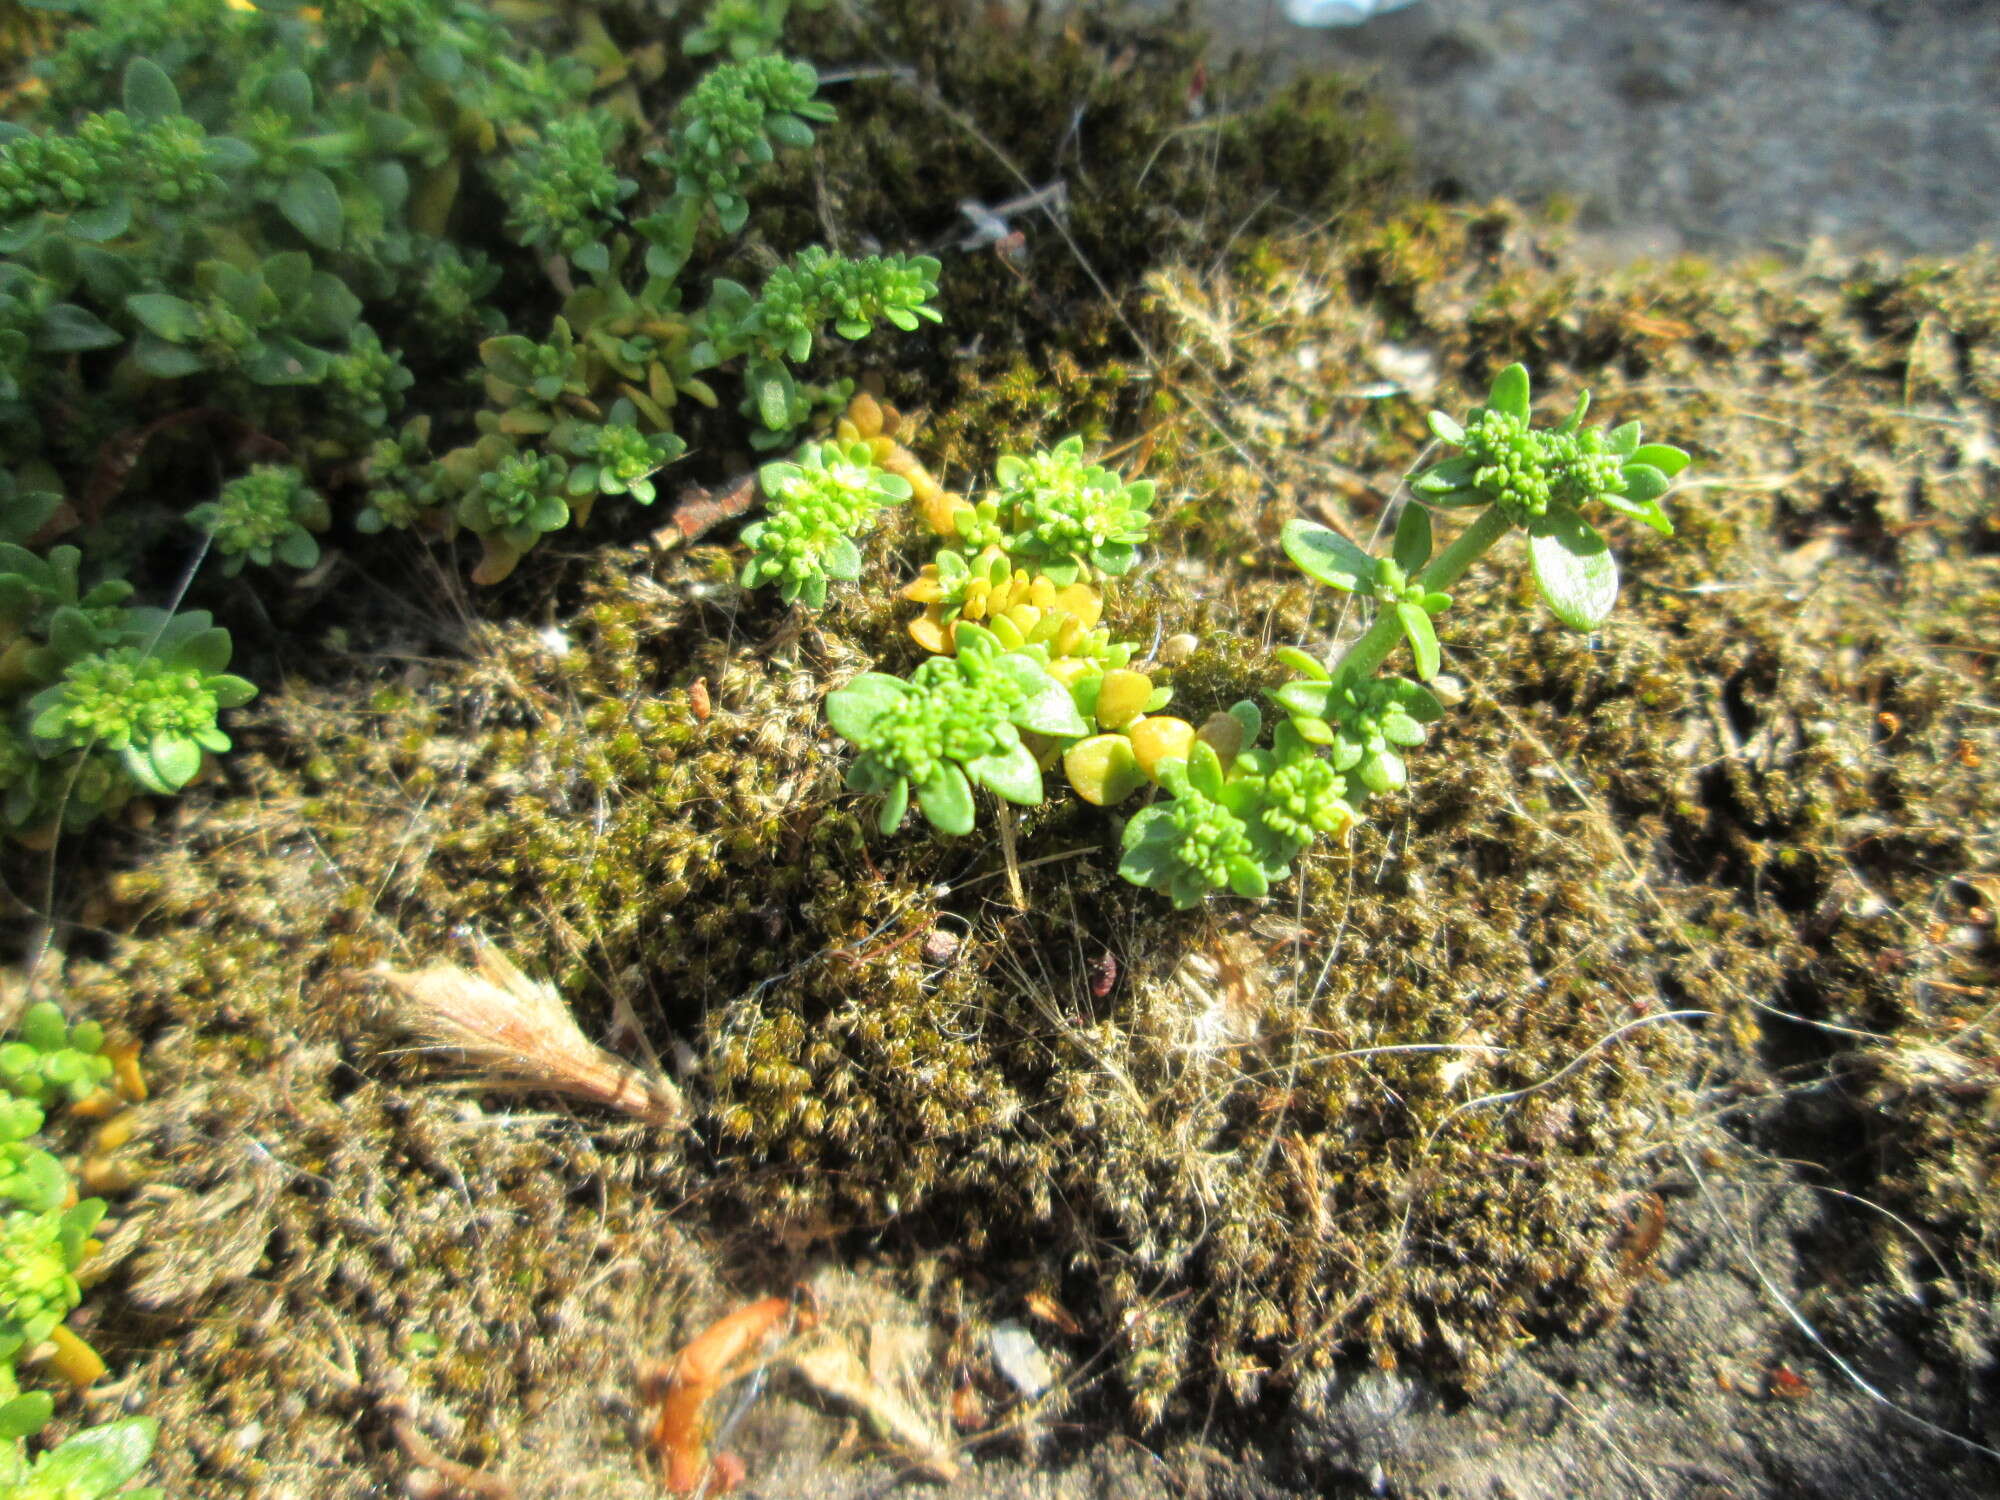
x=1697, y=124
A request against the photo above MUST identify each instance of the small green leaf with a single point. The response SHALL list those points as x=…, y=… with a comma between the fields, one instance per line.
x=150, y=95
x=99, y=1460
x=231, y=692
x=1668, y=459
x=853, y=710
x=1510, y=392
x=173, y=318
x=311, y=203
x=843, y=561
x=1246, y=879
x=65, y=328
x=1446, y=429
x=1644, y=483
x=1307, y=698
x=1049, y=710
x=1573, y=568
x=163, y=360
x=105, y=222
x=1204, y=769
x=1647, y=514
x=299, y=549
x=1325, y=555
x=24, y=1416
x=894, y=805
x=1446, y=477
x=175, y=761
x=1422, y=636
x=1010, y=773
x=290, y=93
x=1412, y=547
x=1300, y=661
x=946, y=800
x=772, y=406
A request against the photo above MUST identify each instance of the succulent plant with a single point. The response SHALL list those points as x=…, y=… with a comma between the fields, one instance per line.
x=818, y=504
x=267, y=515
x=1067, y=519
x=50, y=1058
x=153, y=707
x=956, y=722
x=1192, y=844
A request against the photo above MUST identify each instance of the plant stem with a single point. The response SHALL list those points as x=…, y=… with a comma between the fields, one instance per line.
x=1372, y=648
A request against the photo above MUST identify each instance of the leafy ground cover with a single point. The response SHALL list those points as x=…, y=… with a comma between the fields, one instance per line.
x=1706, y=890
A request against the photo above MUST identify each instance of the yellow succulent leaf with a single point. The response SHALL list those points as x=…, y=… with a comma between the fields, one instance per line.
x=936, y=510
x=865, y=412
x=930, y=634
x=1007, y=632
x=1158, y=739
x=1083, y=601
x=1069, y=670
x=1103, y=769
x=1121, y=698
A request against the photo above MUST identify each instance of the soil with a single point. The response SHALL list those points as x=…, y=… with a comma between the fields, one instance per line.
x=1714, y=884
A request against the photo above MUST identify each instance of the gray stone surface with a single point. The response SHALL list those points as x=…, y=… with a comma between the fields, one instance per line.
x=1698, y=124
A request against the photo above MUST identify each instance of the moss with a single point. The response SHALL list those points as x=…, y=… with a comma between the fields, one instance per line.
x=1395, y=1114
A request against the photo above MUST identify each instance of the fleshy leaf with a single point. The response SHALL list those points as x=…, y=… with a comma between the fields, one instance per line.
x=1422, y=636
x=1324, y=554
x=1510, y=392
x=947, y=800
x=1668, y=459
x=1573, y=568
x=1010, y=773
x=1412, y=547
x=853, y=709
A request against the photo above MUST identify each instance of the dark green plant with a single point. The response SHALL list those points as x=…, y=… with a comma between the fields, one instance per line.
x=293, y=223
x=268, y=515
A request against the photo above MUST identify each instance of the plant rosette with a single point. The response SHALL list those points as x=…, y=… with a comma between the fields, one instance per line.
x=154, y=707
x=955, y=723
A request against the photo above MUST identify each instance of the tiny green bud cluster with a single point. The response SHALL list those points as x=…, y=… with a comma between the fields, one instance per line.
x=616, y=458
x=818, y=504
x=265, y=515
x=166, y=160
x=1193, y=843
x=731, y=120
x=956, y=722
x=563, y=193
x=1069, y=519
x=518, y=500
